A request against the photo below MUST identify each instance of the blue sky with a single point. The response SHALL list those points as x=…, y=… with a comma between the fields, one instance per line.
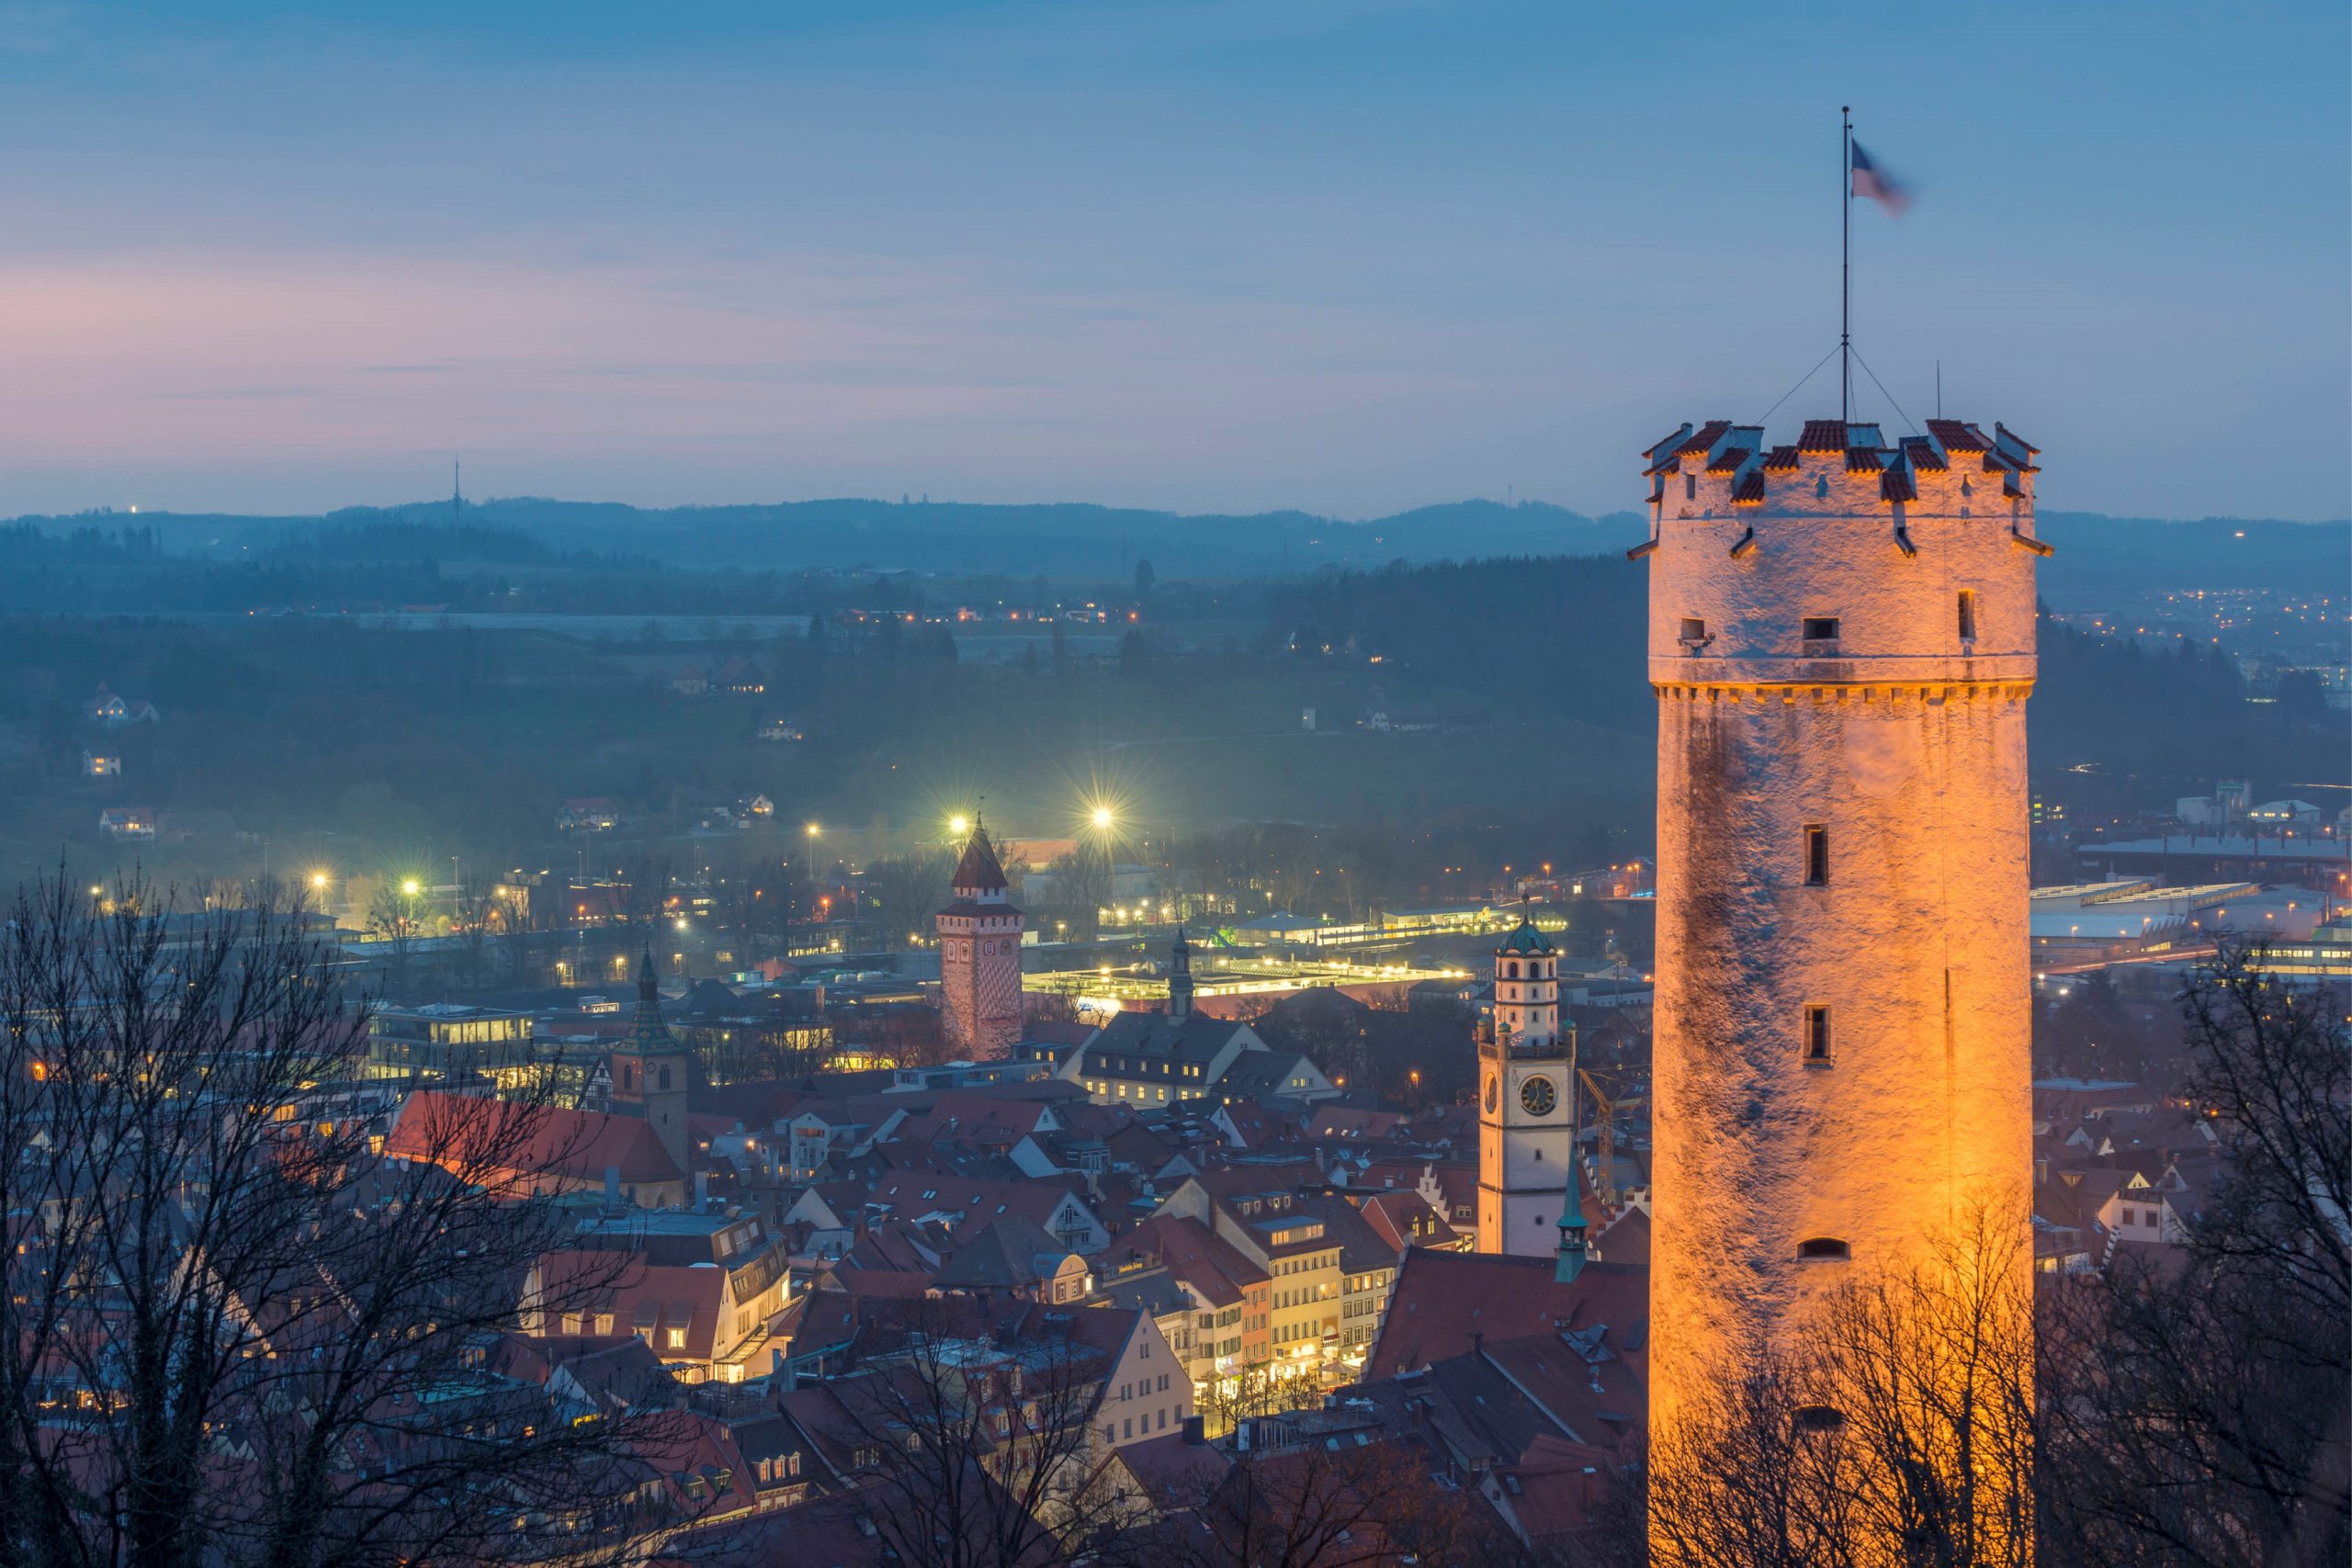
x=1339, y=255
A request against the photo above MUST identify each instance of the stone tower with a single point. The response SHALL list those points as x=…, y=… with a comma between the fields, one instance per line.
x=1841, y=642
x=1526, y=1100
x=979, y=957
x=651, y=1072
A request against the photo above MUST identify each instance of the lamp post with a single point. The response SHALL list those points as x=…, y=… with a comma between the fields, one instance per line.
x=813, y=831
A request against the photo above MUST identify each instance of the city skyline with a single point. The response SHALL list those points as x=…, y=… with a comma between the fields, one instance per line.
x=1357, y=259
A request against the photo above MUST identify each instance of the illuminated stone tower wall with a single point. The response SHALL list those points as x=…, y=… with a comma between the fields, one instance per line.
x=979, y=957
x=1841, y=641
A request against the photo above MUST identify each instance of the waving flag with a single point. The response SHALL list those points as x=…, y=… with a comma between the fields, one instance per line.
x=1875, y=183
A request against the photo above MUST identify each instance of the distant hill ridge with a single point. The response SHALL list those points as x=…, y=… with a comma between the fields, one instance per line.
x=2097, y=553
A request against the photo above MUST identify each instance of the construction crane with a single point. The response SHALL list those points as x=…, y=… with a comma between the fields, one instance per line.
x=1605, y=1177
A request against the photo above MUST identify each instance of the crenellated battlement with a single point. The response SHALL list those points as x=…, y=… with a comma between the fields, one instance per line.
x=1840, y=558
x=1841, y=468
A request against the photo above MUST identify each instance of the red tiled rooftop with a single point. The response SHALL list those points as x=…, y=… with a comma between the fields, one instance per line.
x=1862, y=460
x=1729, y=462
x=1957, y=436
x=1750, y=491
x=1823, y=435
x=1780, y=459
x=1703, y=439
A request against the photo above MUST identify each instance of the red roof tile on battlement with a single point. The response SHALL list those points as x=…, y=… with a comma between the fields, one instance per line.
x=1702, y=440
x=1921, y=453
x=1750, y=492
x=1730, y=460
x=1959, y=436
x=1863, y=460
x=1822, y=436
x=1896, y=485
x=1780, y=459
x=1667, y=442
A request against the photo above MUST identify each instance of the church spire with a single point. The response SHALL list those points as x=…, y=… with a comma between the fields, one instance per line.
x=1180, y=979
x=649, y=1033
x=1572, y=1234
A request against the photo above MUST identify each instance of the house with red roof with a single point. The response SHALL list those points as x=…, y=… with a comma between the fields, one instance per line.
x=536, y=1151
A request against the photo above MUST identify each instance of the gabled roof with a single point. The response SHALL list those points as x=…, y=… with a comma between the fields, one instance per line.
x=492, y=1142
x=1441, y=1299
x=1197, y=1037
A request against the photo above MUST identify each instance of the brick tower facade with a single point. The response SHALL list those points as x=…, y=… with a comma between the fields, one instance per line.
x=1841, y=642
x=979, y=957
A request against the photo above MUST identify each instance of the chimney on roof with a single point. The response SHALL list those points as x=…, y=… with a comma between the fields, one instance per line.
x=612, y=1187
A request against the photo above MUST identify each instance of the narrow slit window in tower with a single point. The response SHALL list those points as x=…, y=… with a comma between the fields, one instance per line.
x=1968, y=614
x=1816, y=1034
x=1816, y=855
x=1689, y=487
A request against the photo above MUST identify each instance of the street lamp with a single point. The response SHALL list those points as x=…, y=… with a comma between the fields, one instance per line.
x=1102, y=817
x=410, y=887
x=813, y=831
x=959, y=825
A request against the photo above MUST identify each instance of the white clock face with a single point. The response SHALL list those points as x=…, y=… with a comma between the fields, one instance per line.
x=1494, y=1091
x=1538, y=1095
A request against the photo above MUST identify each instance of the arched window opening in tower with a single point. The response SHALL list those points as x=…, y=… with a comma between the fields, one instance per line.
x=1827, y=1247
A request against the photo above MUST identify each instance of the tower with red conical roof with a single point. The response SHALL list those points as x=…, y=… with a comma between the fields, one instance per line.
x=979, y=957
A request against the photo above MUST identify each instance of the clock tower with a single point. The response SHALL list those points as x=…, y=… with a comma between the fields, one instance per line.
x=1526, y=1102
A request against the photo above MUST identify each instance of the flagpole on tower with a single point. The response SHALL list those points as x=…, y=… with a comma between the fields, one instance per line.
x=1845, y=266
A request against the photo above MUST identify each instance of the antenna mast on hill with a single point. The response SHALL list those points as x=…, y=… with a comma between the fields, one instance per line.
x=457, y=492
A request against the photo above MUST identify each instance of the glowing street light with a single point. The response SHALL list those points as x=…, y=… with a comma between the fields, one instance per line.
x=411, y=886
x=959, y=825
x=318, y=881
x=1102, y=817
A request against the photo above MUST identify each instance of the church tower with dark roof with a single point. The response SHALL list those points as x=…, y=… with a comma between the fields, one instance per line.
x=651, y=1069
x=979, y=957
